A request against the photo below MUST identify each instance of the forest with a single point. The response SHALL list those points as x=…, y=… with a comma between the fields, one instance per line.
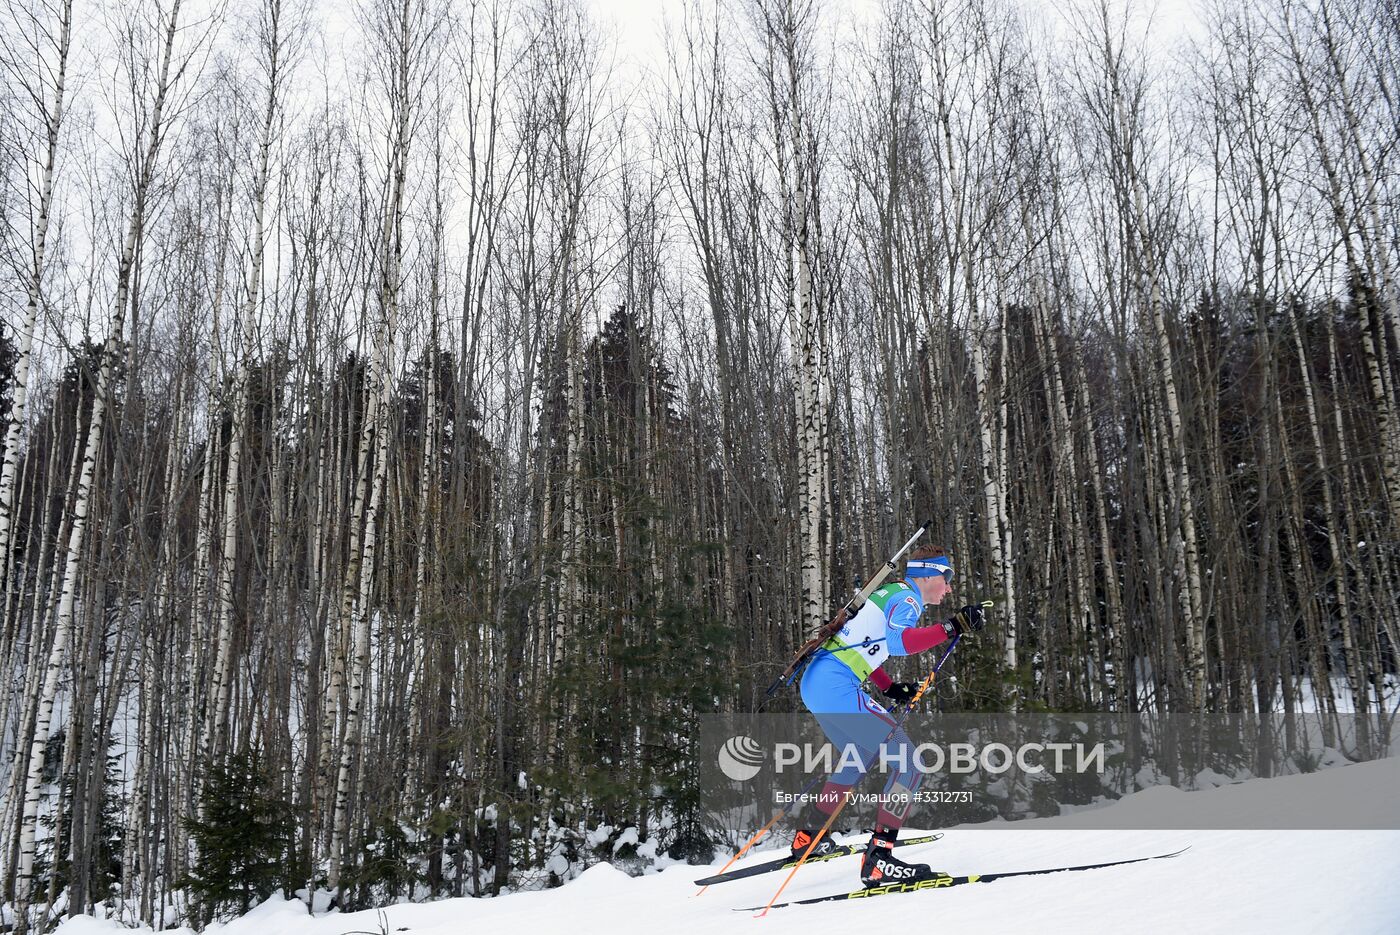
x=416, y=418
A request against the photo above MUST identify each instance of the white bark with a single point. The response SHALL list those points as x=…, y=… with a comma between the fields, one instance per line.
x=391, y=247
x=1373, y=235
x=571, y=589
x=338, y=637
x=53, y=121
x=807, y=332
x=427, y=497
x=195, y=662
x=82, y=497
x=993, y=514
x=361, y=622
x=1108, y=555
x=217, y=714
x=1069, y=502
x=37, y=650
x=1374, y=249
x=959, y=200
x=1334, y=527
x=1148, y=273
x=138, y=846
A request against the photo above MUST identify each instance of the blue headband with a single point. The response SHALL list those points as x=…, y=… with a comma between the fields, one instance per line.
x=928, y=567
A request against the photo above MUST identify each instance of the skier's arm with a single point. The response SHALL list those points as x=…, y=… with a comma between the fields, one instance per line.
x=898, y=692
x=921, y=638
x=906, y=637
x=881, y=679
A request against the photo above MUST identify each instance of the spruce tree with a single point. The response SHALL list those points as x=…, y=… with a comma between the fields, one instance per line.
x=244, y=837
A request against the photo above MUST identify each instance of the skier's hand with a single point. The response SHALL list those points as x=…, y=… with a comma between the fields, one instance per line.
x=901, y=692
x=970, y=619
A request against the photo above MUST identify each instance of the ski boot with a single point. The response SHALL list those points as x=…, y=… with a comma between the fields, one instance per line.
x=880, y=866
x=803, y=839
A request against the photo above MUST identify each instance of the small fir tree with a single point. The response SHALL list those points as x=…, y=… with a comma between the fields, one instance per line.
x=244, y=839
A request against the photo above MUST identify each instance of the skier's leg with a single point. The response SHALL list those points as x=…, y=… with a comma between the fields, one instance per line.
x=870, y=728
x=833, y=695
x=880, y=731
x=903, y=784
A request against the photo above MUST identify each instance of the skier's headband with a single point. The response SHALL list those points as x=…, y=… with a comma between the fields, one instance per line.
x=928, y=567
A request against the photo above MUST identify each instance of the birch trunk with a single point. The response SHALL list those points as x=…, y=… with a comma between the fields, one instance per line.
x=571, y=533
x=361, y=616
x=1108, y=555
x=807, y=349
x=53, y=120
x=1374, y=250
x=82, y=497
x=215, y=723
x=391, y=245
x=1356, y=673
x=1065, y=480
x=138, y=849
x=427, y=488
x=196, y=663
x=1372, y=234
x=1148, y=259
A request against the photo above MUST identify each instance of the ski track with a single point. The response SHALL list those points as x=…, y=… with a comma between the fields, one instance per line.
x=1273, y=882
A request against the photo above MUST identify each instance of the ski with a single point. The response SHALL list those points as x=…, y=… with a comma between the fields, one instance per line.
x=943, y=881
x=787, y=863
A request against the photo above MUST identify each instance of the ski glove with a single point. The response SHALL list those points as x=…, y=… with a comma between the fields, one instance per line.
x=970, y=619
x=901, y=692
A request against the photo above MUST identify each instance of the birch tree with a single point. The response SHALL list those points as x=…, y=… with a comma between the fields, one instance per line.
x=788, y=26
x=46, y=89
x=407, y=28
x=1118, y=100
x=273, y=43
x=145, y=165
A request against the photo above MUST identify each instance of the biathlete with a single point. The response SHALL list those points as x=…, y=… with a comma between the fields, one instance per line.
x=886, y=625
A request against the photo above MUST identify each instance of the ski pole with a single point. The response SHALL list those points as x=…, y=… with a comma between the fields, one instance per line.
x=782, y=813
x=899, y=722
x=853, y=605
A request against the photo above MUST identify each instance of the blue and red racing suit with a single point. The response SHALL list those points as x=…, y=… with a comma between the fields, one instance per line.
x=887, y=625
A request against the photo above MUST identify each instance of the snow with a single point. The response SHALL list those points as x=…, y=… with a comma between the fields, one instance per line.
x=598, y=835
x=1274, y=882
x=627, y=837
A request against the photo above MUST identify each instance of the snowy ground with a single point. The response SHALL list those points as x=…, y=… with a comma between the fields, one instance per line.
x=1271, y=882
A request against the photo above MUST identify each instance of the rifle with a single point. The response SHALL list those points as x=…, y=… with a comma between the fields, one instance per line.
x=853, y=606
